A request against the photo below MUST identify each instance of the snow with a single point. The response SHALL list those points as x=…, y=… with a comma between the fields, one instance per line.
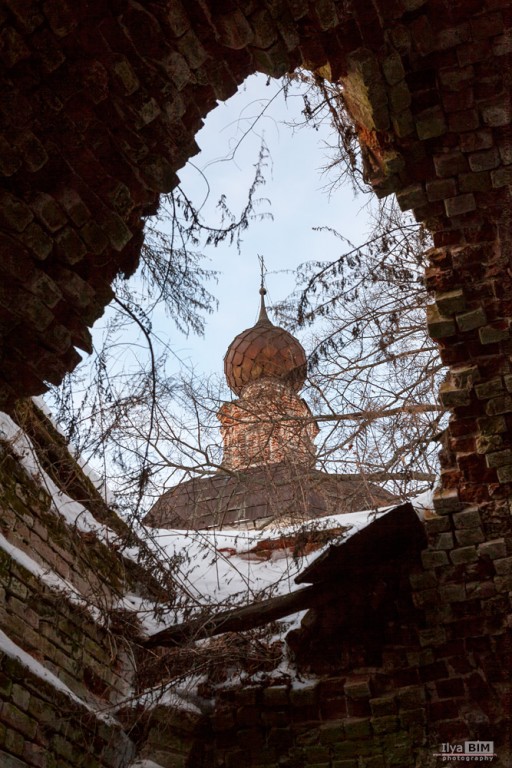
x=424, y=504
x=214, y=568
x=98, y=482
x=145, y=764
x=178, y=694
x=73, y=512
x=217, y=569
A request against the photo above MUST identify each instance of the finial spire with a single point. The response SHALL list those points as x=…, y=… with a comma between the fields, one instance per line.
x=263, y=317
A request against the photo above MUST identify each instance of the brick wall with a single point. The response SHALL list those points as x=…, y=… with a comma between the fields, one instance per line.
x=100, y=108
x=424, y=658
x=66, y=644
x=338, y=722
x=267, y=425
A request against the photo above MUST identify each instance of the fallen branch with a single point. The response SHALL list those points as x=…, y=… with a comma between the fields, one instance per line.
x=238, y=619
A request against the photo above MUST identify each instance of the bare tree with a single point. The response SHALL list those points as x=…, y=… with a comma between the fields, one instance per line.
x=374, y=372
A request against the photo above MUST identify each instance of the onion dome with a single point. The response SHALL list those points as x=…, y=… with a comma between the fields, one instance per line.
x=265, y=351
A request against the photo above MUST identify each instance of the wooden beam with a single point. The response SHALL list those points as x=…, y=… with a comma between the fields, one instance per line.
x=239, y=619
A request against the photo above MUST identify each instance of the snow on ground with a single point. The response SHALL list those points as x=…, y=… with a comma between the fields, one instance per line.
x=217, y=569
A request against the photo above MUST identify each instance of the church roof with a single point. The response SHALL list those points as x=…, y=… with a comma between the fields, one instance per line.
x=274, y=493
x=265, y=351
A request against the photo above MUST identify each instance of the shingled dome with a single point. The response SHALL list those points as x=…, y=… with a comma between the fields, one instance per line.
x=265, y=351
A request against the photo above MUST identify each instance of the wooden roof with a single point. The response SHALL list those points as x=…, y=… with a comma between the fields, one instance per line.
x=261, y=495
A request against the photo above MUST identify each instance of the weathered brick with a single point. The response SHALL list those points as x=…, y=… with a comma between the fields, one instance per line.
x=411, y=197
x=423, y=580
x=480, y=590
x=469, y=518
x=383, y=705
x=276, y=695
x=491, y=335
x=465, y=120
x=503, y=583
x=456, y=206
x=452, y=396
x=477, y=140
x=431, y=638
x=469, y=536
x=474, y=182
x=393, y=69
x=498, y=405
x=443, y=541
x=441, y=189
x=492, y=425
x=498, y=114
x=503, y=566
x=385, y=724
x=425, y=597
x=15, y=718
x=499, y=458
x=431, y=123
x=433, y=559
x=487, y=389
x=451, y=302
x=446, y=500
x=331, y=732
x=14, y=213
x=466, y=554
x=472, y=52
x=484, y=161
x=453, y=593
x=502, y=177
x=504, y=474
x=357, y=727
x=439, y=326
x=468, y=321
x=488, y=443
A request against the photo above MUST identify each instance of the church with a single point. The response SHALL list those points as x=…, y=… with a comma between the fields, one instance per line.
x=268, y=474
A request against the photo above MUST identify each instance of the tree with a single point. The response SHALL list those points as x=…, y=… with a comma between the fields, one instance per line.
x=114, y=409
x=373, y=370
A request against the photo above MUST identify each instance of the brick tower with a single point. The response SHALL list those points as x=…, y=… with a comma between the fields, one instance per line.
x=269, y=423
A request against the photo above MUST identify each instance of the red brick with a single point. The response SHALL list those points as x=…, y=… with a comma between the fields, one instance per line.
x=489, y=25
x=442, y=710
x=450, y=688
x=484, y=161
x=450, y=164
x=473, y=142
x=455, y=206
x=470, y=53
x=468, y=120
x=452, y=731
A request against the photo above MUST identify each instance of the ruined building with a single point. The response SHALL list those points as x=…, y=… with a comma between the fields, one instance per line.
x=268, y=470
x=99, y=107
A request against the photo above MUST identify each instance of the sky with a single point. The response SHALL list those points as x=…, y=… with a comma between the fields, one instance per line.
x=298, y=202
